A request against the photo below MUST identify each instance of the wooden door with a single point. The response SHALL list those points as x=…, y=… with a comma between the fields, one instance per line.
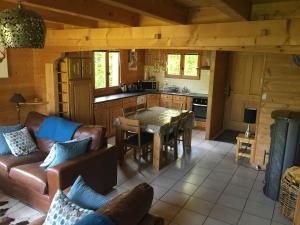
x=166, y=100
x=243, y=88
x=101, y=115
x=74, y=65
x=129, y=102
x=179, y=102
x=81, y=101
x=87, y=65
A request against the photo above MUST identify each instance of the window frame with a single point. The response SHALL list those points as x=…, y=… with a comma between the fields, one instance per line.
x=182, y=62
x=107, y=74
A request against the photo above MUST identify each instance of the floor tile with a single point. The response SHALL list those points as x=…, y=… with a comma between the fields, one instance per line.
x=225, y=214
x=211, y=221
x=242, y=181
x=159, y=191
x=259, y=209
x=237, y=191
x=279, y=218
x=175, y=198
x=207, y=194
x=198, y=205
x=219, y=176
x=247, y=219
x=185, y=187
x=164, y=182
x=261, y=198
x=164, y=210
x=232, y=201
x=201, y=171
x=214, y=185
x=187, y=217
x=193, y=179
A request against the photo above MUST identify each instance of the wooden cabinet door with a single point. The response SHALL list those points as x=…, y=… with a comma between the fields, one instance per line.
x=74, y=68
x=101, y=115
x=81, y=101
x=189, y=103
x=130, y=102
x=152, y=100
x=87, y=68
x=114, y=113
x=166, y=100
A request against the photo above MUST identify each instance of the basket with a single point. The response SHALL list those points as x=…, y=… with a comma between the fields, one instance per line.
x=289, y=191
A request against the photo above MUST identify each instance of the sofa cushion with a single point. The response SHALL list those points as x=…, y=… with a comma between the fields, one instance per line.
x=130, y=207
x=31, y=176
x=9, y=161
x=4, y=148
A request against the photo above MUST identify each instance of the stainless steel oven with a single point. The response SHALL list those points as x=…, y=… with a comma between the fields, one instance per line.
x=200, y=107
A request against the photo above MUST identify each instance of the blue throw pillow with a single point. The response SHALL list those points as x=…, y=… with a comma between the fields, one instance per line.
x=68, y=150
x=4, y=148
x=95, y=219
x=86, y=197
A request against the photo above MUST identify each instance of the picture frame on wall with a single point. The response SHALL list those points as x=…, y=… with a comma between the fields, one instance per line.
x=132, y=60
x=3, y=63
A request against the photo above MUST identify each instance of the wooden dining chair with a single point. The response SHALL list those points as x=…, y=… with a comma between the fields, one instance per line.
x=140, y=142
x=181, y=126
x=141, y=107
x=171, y=137
x=127, y=111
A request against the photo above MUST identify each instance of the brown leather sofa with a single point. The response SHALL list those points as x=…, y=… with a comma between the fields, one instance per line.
x=129, y=208
x=23, y=178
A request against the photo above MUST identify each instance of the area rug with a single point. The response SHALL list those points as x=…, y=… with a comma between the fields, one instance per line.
x=5, y=220
x=228, y=136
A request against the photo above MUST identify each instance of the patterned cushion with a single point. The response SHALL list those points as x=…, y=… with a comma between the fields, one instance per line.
x=4, y=148
x=64, y=212
x=20, y=142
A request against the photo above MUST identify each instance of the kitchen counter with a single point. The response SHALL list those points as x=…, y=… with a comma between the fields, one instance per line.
x=127, y=95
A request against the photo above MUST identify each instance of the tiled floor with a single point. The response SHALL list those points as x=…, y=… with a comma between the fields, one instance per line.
x=204, y=186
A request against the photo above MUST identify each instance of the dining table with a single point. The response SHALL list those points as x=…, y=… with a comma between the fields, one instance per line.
x=156, y=120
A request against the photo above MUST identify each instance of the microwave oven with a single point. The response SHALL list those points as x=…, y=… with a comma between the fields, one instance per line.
x=148, y=85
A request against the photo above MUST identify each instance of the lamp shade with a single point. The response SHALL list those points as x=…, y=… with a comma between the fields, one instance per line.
x=17, y=98
x=250, y=115
x=20, y=28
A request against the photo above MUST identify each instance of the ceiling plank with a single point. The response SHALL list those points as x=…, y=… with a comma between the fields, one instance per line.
x=275, y=35
x=237, y=10
x=91, y=9
x=164, y=10
x=55, y=17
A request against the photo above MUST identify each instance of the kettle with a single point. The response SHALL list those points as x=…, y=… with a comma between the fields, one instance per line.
x=123, y=88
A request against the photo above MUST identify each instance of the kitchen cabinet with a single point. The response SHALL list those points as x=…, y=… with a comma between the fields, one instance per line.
x=166, y=100
x=179, y=102
x=130, y=102
x=101, y=115
x=153, y=100
x=189, y=103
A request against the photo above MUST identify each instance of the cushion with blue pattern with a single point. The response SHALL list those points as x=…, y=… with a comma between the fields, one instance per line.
x=4, y=148
x=95, y=219
x=64, y=212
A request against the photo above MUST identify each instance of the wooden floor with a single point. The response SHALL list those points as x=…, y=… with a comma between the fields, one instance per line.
x=204, y=186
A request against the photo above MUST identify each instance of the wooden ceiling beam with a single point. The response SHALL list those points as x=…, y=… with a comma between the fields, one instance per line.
x=164, y=10
x=55, y=17
x=270, y=34
x=90, y=9
x=237, y=10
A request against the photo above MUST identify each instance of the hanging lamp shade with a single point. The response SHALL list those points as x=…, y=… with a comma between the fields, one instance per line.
x=21, y=28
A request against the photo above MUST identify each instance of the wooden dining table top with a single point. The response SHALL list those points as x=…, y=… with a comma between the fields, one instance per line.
x=157, y=119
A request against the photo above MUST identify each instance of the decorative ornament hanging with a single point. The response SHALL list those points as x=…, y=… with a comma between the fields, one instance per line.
x=21, y=28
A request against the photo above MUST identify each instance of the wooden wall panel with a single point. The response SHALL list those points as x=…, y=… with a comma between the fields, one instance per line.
x=128, y=76
x=281, y=89
x=245, y=75
x=21, y=80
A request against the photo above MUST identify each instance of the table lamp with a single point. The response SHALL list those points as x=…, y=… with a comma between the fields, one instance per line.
x=249, y=118
x=17, y=98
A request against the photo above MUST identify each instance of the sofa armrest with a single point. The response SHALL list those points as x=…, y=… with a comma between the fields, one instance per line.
x=98, y=169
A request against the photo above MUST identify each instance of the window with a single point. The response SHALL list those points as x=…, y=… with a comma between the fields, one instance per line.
x=183, y=65
x=107, y=69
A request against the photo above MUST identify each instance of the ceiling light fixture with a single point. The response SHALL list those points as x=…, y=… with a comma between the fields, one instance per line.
x=21, y=28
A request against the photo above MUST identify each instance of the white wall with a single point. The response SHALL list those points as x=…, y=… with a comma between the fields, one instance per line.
x=195, y=86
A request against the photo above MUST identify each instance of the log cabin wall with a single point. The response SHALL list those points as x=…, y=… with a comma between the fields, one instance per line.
x=21, y=80
x=280, y=90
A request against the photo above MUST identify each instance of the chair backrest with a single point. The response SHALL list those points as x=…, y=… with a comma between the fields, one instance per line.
x=174, y=123
x=127, y=111
x=183, y=119
x=141, y=107
x=130, y=125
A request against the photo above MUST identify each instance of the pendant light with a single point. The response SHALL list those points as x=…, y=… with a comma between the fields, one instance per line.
x=21, y=28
